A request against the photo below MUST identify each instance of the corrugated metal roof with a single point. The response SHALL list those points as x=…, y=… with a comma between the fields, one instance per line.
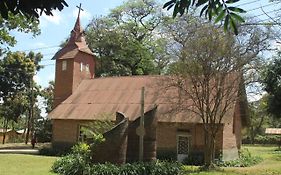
x=273, y=131
x=94, y=99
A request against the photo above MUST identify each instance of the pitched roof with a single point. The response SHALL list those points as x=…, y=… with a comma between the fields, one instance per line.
x=98, y=98
x=75, y=44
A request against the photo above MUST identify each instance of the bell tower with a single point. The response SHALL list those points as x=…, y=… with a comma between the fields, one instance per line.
x=74, y=63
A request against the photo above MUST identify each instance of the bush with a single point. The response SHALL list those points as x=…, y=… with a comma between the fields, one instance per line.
x=151, y=168
x=50, y=151
x=167, y=155
x=75, y=163
x=194, y=158
x=245, y=160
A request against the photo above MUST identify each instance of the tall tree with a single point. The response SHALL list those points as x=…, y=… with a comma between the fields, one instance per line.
x=16, y=83
x=48, y=94
x=206, y=60
x=272, y=86
x=124, y=40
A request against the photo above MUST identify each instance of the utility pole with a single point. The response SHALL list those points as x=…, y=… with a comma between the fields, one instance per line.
x=140, y=129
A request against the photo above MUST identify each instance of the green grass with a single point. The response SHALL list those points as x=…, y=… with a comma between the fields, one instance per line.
x=271, y=164
x=13, y=164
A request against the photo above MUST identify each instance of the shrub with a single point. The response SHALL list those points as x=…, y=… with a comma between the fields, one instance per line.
x=151, y=168
x=75, y=163
x=167, y=155
x=194, y=158
x=245, y=160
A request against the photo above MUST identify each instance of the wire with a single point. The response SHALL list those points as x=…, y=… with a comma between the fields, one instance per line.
x=246, y=3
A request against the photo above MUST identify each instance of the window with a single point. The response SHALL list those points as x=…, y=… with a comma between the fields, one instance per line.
x=82, y=137
x=81, y=66
x=64, y=65
x=87, y=67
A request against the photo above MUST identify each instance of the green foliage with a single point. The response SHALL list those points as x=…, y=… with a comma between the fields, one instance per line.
x=150, y=168
x=74, y=163
x=43, y=130
x=271, y=81
x=124, y=40
x=166, y=155
x=245, y=160
x=48, y=94
x=18, y=23
x=30, y=8
x=210, y=9
x=194, y=158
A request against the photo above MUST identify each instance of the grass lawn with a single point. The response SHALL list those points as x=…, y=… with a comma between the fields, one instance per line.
x=271, y=164
x=13, y=164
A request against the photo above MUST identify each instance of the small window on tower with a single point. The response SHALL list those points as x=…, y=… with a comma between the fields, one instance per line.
x=81, y=66
x=87, y=67
x=64, y=65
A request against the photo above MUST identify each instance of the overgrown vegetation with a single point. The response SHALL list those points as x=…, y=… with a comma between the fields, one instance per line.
x=79, y=162
x=245, y=160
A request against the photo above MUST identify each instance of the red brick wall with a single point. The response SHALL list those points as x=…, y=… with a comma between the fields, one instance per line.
x=68, y=80
x=63, y=81
x=167, y=136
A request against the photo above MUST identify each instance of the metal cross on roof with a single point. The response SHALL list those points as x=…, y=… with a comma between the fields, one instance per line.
x=80, y=9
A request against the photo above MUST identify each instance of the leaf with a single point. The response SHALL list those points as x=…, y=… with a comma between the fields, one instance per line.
x=176, y=9
x=201, y=2
x=203, y=9
x=237, y=17
x=220, y=16
x=233, y=26
x=170, y=6
x=237, y=9
x=169, y=3
x=232, y=1
x=226, y=22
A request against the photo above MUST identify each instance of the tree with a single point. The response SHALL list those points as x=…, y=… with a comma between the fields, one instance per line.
x=210, y=8
x=12, y=109
x=48, y=94
x=16, y=85
x=19, y=23
x=206, y=60
x=124, y=41
x=30, y=8
x=272, y=86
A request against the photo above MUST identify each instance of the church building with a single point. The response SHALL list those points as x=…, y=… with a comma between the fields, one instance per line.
x=81, y=98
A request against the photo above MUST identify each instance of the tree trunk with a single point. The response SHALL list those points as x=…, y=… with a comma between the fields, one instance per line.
x=28, y=127
x=209, y=150
x=5, y=130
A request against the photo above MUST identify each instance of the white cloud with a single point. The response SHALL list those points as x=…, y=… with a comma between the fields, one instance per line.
x=55, y=19
x=83, y=14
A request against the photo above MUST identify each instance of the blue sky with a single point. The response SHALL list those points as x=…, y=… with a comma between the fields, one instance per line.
x=57, y=28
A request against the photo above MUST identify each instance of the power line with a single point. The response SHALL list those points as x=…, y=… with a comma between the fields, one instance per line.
x=40, y=48
x=246, y=3
x=268, y=5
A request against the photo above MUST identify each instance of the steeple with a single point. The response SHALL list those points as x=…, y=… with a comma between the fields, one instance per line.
x=77, y=31
x=75, y=62
x=76, y=41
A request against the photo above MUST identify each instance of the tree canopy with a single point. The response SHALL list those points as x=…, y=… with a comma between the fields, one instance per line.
x=30, y=8
x=220, y=10
x=272, y=85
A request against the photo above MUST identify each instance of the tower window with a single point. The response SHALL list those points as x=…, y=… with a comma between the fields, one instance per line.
x=81, y=66
x=64, y=65
x=87, y=67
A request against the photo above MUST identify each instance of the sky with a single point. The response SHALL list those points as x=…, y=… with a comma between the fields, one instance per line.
x=55, y=29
